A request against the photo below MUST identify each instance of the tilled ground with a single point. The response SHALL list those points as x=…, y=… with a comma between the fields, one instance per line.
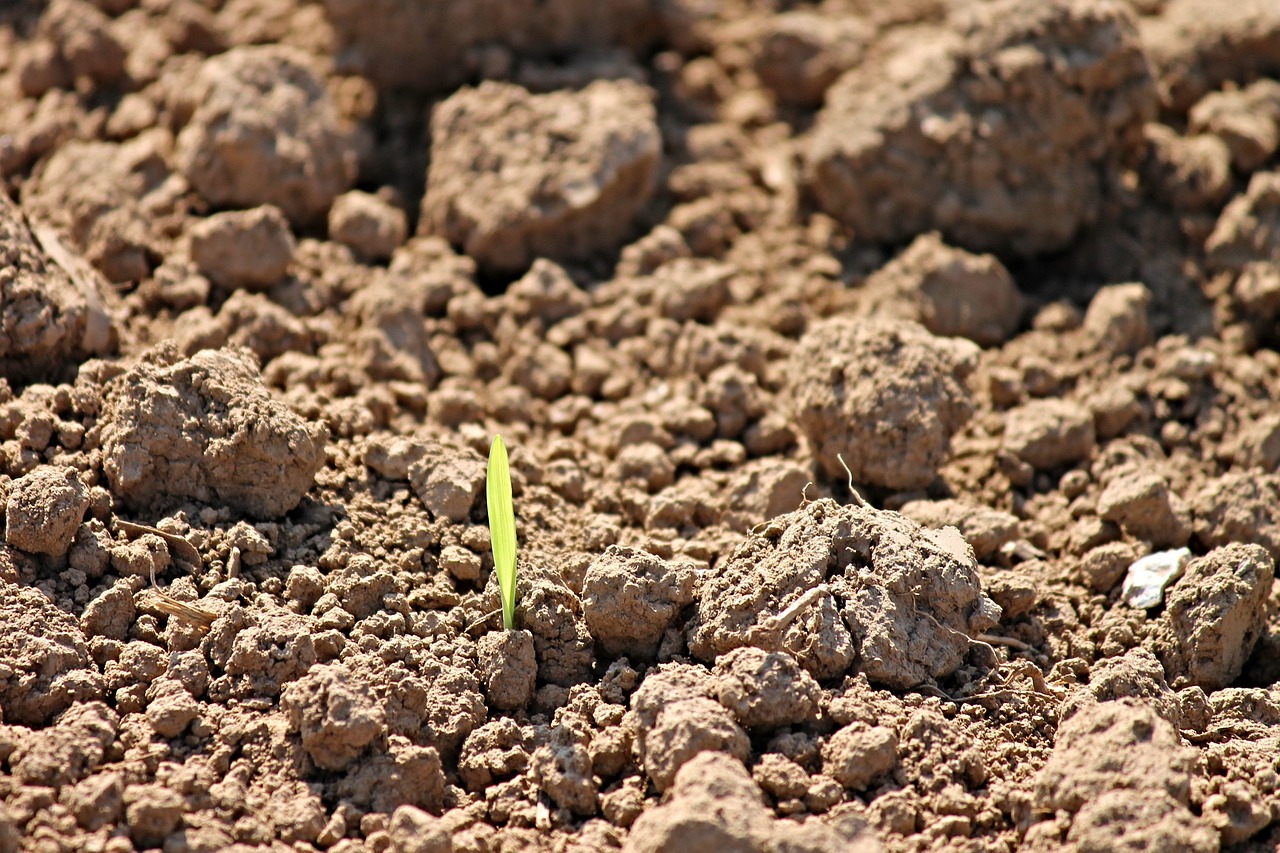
x=849, y=355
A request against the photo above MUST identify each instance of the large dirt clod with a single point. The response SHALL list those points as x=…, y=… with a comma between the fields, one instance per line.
x=884, y=394
x=765, y=690
x=334, y=713
x=1112, y=755
x=264, y=130
x=206, y=428
x=1000, y=130
x=848, y=588
x=50, y=316
x=630, y=597
x=1215, y=614
x=45, y=509
x=44, y=660
x=561, y=640
x=516, y=175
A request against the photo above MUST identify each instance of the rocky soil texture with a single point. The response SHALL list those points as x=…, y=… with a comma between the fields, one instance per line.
x=849, y=355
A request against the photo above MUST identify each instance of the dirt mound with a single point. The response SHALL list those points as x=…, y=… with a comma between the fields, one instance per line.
x=1008, y=120
x=848, y=589
x=883, y=395
x=516, y=175
x=50, y=314
x=857, y=363
x=217, y=434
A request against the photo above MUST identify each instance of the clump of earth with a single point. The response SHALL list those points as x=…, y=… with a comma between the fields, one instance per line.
x=849, y=356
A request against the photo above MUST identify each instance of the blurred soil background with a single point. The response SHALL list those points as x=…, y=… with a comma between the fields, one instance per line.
x=849, y=354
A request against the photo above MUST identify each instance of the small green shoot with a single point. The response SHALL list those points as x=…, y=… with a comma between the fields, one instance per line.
x=502, y=528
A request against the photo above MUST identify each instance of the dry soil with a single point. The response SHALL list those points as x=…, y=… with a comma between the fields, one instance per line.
x=849, y=353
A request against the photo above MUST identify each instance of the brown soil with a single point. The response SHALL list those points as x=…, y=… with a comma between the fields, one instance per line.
x=848, y=353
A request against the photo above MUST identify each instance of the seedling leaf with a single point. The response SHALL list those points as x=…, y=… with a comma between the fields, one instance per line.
x=502, y=528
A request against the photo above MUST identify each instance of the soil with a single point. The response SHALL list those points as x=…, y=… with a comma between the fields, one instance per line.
x=848, y=355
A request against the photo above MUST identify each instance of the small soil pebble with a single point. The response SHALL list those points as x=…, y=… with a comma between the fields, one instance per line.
x=951, y=292
x=414, y=831
x=372, y=227
x=1189, y=172
x=152, y=811
x=462, y=563
x=243, y=248
x=1145, y=508
x=1215, y=614
x=516, y=175
x=859, y=754
x=885, y=394
x=780, y=777
x=1246, y=120
x=1103, y=567
x=1116, y=320
x=631, y=597
x=496, y=750
x=206, y=428
x=800, y=53
x=979, y=131
x=111, y=613
x=448, y=480
x=264, y=130
x=848, y=588
x=45, y=509
x=508, y=668
x=1245, y=232
x=170, y=708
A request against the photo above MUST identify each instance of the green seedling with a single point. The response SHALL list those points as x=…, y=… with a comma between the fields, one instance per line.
x=502, y=528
